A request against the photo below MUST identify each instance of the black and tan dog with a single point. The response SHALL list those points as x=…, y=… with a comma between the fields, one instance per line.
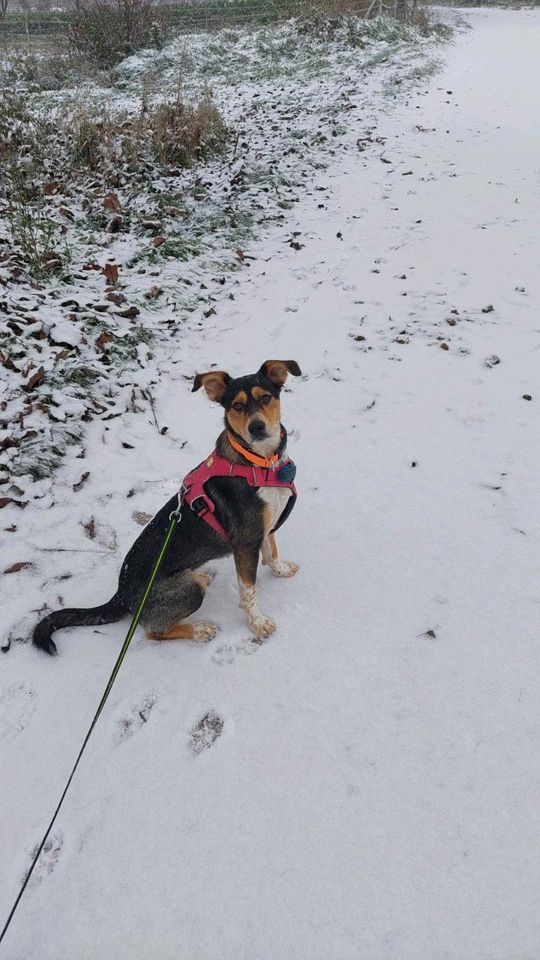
x=247, y=514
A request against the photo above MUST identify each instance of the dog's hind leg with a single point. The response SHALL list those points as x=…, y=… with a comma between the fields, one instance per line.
x=171, y=601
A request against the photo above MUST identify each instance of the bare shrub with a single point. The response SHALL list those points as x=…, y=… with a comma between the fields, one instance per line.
x=105, y=31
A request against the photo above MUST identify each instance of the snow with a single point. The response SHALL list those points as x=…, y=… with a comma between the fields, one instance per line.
x=365, y=783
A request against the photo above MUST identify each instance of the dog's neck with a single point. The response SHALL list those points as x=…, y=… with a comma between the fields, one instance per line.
x=260, y=449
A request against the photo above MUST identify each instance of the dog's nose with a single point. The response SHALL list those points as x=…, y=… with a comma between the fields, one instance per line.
x=257, y=429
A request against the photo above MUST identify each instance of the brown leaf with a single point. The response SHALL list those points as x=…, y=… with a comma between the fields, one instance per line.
x=6, y=361
x=152, y=224
x=104, y=337
x=51, y=187
x=62, y=355
x=111, y=272
x=66, y=213
x=4, y=501
x=240, y=254
x=115, y=223
x=111, y=202
x=22, y=565
x=116, y=298
x=34, y=380
x=129, y=312
x=157, y=241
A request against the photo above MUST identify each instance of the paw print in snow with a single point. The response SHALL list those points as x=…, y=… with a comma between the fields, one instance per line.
x=205, y=732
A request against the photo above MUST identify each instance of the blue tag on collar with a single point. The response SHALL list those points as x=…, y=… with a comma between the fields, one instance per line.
x=287, y=472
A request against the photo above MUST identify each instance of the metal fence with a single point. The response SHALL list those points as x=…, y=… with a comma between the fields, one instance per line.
x=186, y=16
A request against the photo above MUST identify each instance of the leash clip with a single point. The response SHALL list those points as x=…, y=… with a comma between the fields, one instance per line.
x=177, y=514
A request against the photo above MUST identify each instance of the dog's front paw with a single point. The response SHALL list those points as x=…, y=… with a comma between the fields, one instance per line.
x=284, y=568
x=262, y=626
x=204, y=631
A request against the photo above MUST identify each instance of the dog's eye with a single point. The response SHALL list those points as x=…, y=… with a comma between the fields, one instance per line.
x=265, y=399
x=238, y=407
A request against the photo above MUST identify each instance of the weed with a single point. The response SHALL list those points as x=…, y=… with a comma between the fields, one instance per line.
x=35, y=235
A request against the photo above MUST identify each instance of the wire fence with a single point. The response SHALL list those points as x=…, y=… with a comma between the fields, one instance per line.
x=191, y=15
x=35, y=25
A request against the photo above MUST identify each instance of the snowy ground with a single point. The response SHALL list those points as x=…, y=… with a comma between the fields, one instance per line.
x=372, y=792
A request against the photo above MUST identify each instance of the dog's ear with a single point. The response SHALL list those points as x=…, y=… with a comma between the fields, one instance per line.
x=276, y=371
x=215, y=383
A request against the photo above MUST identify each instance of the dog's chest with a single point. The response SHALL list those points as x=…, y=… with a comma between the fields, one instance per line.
x=275, y=500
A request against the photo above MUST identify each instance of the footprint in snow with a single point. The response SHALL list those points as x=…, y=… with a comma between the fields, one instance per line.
x=205, y=732
x=17, y=704
x=136, y=718
x=48, y=859
x=227, y=653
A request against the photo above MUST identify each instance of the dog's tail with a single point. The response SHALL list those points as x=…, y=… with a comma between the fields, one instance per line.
x=107, y=613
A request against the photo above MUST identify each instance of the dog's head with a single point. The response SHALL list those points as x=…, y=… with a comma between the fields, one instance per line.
x=251, y=403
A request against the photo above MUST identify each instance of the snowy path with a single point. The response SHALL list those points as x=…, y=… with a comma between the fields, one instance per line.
x=373, y=794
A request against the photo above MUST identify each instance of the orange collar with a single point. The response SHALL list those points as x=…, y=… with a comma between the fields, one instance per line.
x=252, y=457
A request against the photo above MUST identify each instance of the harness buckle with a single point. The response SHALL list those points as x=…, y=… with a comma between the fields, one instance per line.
x=199, y=506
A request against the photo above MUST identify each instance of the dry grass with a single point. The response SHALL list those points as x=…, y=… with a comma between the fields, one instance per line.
x=175, y=133
x=182, y=133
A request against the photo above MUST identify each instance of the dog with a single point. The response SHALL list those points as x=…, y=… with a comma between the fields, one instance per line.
x=232, y=503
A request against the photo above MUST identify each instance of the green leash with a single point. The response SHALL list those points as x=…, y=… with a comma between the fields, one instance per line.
x=174, y=518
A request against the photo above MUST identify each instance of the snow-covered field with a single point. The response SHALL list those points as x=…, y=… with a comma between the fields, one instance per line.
x=373, y=790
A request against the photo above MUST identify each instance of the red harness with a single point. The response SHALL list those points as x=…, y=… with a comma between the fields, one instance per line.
x=193, y=491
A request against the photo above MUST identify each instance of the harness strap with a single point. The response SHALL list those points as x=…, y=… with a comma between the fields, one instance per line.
x=193, y=490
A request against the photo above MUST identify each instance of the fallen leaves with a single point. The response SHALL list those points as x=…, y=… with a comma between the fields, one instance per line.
x=22, y=565
x=111, y=202
x=114, y=297
x=35, y=380
x=130, y=313
x=104, y=338
x=110, y=271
